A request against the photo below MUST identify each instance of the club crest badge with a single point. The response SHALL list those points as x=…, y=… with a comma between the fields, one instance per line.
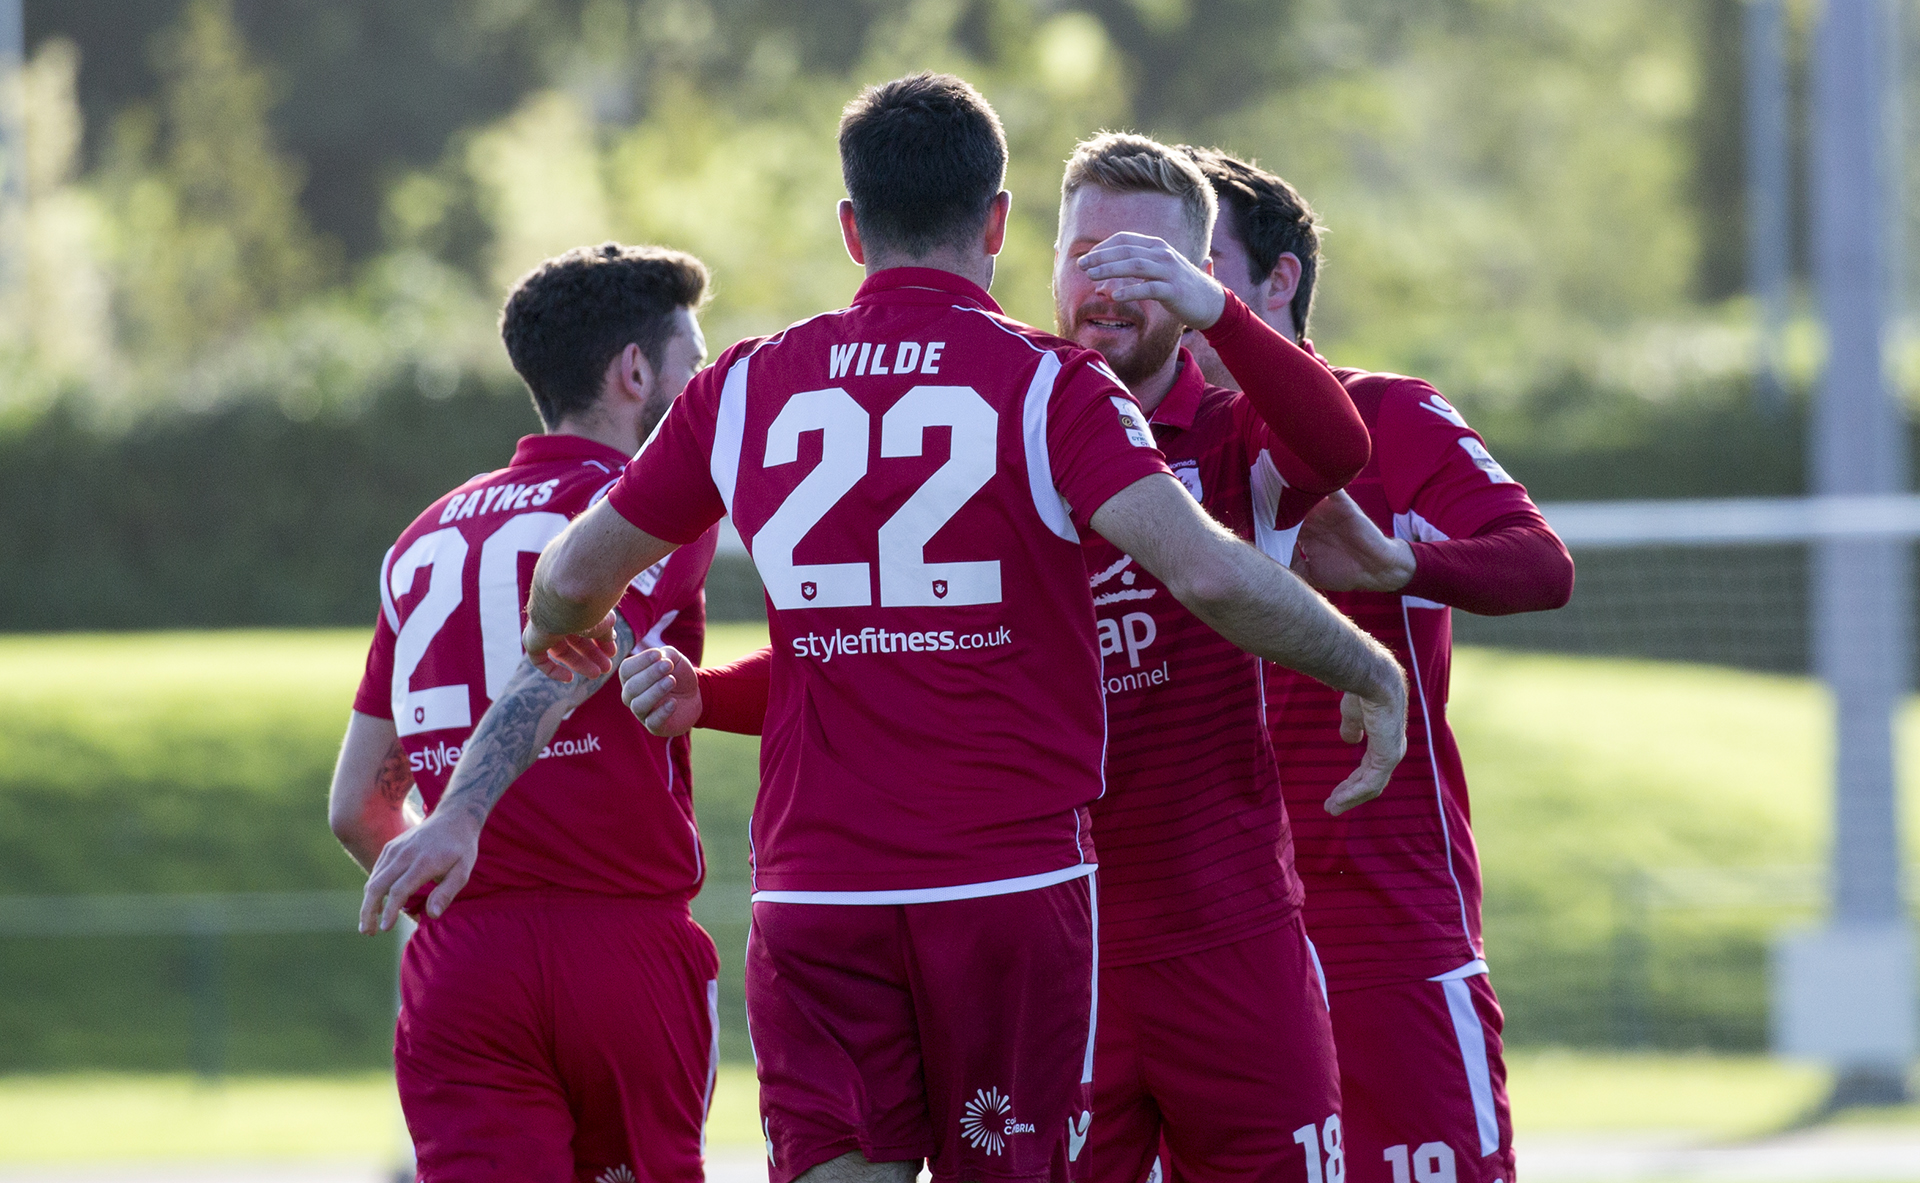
x=940, y=588
x=809, y=589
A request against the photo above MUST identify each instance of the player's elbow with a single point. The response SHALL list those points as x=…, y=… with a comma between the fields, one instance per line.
x=1346, y=454
x=1556, y=587
x=1209, y=583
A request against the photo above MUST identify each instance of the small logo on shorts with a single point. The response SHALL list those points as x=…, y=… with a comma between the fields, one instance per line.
x=989, y=1120
x=619, y=1174
x=1077, y=1138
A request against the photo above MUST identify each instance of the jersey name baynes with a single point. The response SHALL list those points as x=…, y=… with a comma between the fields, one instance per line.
x=865, y=359
x=497, y=498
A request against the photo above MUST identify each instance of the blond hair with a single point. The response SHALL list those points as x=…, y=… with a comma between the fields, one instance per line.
x=1121, y=162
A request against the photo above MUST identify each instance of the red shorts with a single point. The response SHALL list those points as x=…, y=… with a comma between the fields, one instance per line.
x=957, y=1031
x=549, y=1037
x=1424, y=1083
x=1227, y=1055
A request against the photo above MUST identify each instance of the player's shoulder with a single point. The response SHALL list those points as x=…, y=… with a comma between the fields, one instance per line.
x=1399, y=402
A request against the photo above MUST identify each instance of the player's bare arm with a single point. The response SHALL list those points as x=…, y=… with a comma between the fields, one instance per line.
x=1128, y=266
x=1340, y=549
x=662, y=689
x=367, y=803
x=1263, y=608
x=578, y=580
x=505, y=744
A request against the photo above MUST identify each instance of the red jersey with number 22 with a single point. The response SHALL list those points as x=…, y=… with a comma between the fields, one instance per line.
x=913, y=476
x=606, y=808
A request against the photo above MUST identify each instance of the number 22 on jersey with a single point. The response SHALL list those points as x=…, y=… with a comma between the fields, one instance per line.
x=906, y=578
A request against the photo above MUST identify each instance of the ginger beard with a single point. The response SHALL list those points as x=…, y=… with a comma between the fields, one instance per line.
x=1136, y=337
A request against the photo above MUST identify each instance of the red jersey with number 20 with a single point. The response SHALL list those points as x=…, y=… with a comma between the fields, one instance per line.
x=913, y=476
x=606, y=808
x=1393, y=886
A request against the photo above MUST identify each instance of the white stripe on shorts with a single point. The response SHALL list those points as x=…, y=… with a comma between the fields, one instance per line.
x=1473, y=1051
x=713, y=1056
x=1093, y=1008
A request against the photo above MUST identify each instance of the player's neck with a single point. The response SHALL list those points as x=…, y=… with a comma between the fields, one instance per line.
x=601, y=429
x=1152, y=390
x=976, y=269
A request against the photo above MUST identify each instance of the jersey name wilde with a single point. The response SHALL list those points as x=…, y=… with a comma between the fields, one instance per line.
x=913, y=476
x=606, y=808
x=1194, y=848
x=1393, y=887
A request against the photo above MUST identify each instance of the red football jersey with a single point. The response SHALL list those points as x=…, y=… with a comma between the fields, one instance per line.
x=606, y=808
x=913, y=477
x=1193, y=839
x=1393, y=886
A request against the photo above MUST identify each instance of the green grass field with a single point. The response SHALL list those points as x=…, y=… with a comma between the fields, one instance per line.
x=199, y=761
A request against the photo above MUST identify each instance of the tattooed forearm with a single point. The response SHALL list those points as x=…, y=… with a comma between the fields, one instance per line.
x=395, y=779
x=510, y=735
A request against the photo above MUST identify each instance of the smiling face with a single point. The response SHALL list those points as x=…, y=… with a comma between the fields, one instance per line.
x=1138, y=337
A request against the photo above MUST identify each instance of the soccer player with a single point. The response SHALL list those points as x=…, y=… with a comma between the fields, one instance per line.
x=557, y=1020
x=1214, y=1031
x=914, y=476
x=1393, y=890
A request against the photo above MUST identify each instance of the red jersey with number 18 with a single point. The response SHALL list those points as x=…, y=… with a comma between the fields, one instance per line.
x=606, y=808
x=913, y=476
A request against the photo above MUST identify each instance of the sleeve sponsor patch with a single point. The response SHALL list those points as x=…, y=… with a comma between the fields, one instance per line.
x=1484, y=461
x=1133, y=421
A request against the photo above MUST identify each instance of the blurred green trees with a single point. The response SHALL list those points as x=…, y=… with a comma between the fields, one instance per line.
x=316, y=209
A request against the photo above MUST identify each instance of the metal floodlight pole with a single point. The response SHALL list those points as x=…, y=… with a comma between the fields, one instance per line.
x=13, y=147
x=1848, y=991
x=1769, y=241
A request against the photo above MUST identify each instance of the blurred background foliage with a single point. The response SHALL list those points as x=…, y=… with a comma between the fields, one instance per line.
x=294, y=221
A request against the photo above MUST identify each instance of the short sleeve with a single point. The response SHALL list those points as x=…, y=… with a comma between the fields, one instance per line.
x=667, y=489
x=1098, y=440
x=375, y=695
x=1434, y=465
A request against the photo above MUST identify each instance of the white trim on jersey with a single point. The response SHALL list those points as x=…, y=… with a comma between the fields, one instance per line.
x=1266, y=484
x=929, y=895
x=729, y=430
x=386, y=594
x=1047, y=501
x=1473, y=1054
x=1093, y=1004
x=1433, y=761
x=1411, y=527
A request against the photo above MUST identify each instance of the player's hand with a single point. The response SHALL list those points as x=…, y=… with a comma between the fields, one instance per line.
x=443, y=848
x=560, y=657
x=1129, y=266
x=662, y=690
x=1340, y=549
x=1381, y=720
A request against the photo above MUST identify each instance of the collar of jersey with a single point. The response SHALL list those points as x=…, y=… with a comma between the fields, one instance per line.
x=1183, y=401
x=545, y=449
x=908, y=283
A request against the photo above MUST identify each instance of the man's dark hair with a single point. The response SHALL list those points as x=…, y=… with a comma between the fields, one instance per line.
x=567, y=319
x=922, y=157
x=1268, y=215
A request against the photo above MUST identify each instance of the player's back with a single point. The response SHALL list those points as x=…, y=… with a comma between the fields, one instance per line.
x=911, y=476
x=606, y=807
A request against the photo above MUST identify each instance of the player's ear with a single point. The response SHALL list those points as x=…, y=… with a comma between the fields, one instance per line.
x=630, y=374
x=850, y=233
x=997, y=221
x=1281, y=283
